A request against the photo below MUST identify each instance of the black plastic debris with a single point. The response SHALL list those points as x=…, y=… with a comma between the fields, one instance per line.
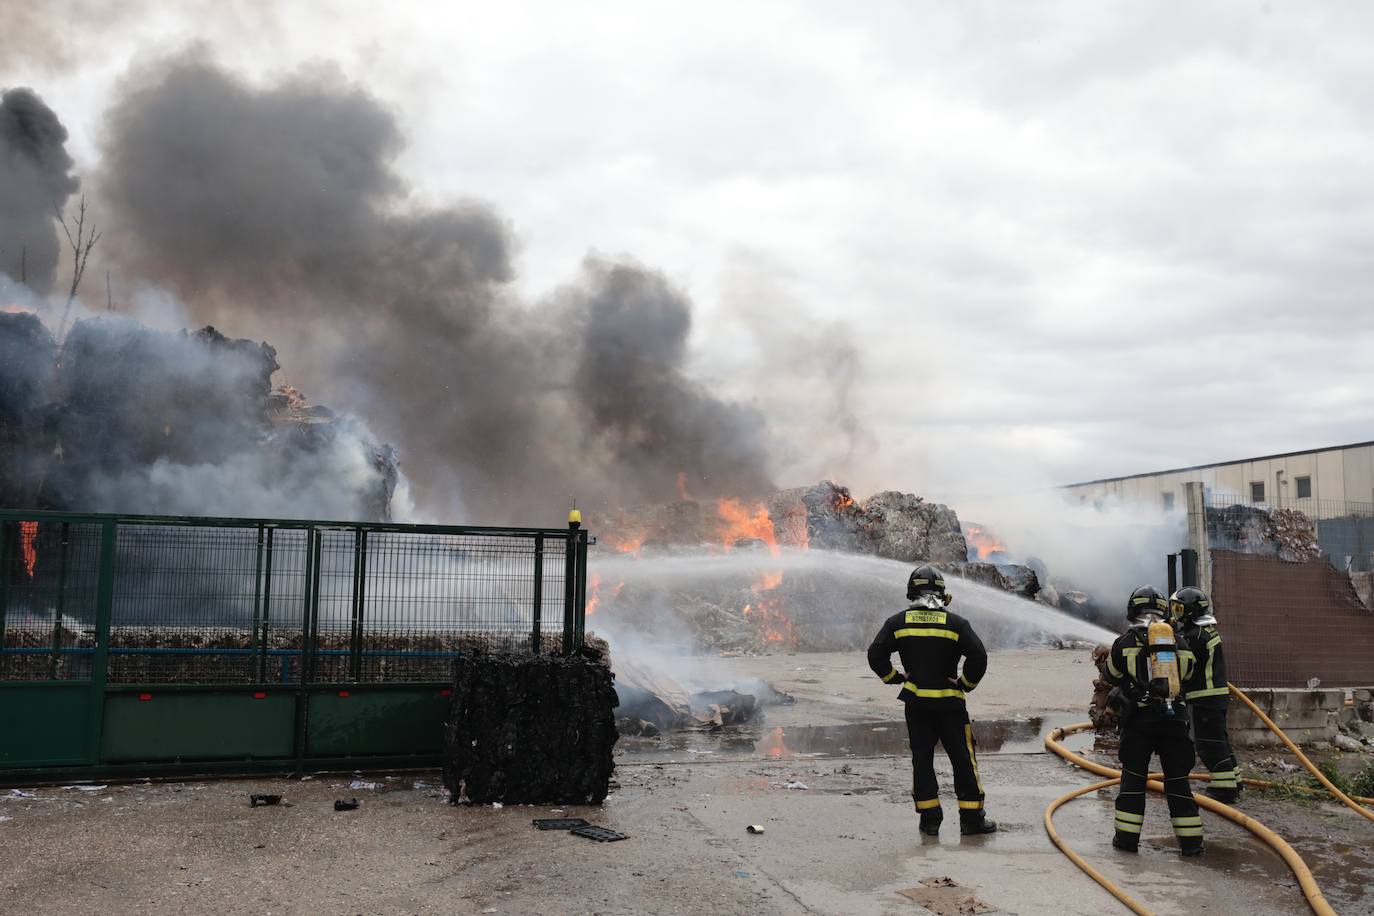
x=256, y=800
x=345, y=804
x=559, y=823
x=600, y=834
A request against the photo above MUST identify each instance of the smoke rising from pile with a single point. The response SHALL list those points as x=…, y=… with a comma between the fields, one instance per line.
x=279, y=209
x=134, y=420
x=35, y=178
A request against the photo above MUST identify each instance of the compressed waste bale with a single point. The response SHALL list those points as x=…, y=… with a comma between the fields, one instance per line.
x=530, y=729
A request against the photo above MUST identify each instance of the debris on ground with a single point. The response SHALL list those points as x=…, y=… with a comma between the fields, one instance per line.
x=944, y=897
x=346, y=804
x=652, y=702
x=256, y=801
x=560, y=823
x=600, y=834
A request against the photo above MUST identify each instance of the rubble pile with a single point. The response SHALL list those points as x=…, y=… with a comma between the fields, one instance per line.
x=793, y=611
x=1285, y=533
x=1293, y=535
x=1008, y=577
x=897, y=526
x=530, y=730
x=1356, y=722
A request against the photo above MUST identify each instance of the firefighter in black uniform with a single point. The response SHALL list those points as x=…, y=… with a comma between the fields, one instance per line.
x=1151, y=722
x=1206, y=691
x=930, y=641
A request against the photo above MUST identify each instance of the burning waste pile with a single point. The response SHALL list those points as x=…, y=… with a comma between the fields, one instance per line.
x=806, y=569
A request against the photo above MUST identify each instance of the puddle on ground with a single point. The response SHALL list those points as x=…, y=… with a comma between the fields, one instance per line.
x=860, y=739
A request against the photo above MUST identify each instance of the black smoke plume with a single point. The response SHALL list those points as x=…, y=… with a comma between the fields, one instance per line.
x=35, y=182
x=277, y=211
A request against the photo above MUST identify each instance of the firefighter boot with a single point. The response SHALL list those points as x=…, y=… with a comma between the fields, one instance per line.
x=1225, y=796
x=1126, y=842
x=930, y=822
x=973, y=823
x=1190, y=845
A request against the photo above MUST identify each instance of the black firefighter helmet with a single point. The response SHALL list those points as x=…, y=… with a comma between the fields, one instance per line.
x=926, y=580
x=1189, y=605
x=1146, y=600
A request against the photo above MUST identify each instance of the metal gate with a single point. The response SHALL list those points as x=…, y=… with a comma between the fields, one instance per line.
x=157, y=645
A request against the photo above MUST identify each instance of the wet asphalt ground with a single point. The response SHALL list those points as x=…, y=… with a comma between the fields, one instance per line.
x=827, y=778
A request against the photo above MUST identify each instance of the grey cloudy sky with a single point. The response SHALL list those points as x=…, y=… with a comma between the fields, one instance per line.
x=1066, y=240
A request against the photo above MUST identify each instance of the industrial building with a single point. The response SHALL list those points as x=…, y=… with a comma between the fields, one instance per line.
x=1321, y=483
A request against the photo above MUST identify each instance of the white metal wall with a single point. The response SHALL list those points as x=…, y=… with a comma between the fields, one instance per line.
x=1338, y=475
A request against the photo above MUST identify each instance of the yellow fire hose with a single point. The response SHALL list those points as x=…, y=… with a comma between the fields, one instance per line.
x=1295, y=863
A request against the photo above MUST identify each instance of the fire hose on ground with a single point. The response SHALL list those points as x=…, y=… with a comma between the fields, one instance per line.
x=1295, y=863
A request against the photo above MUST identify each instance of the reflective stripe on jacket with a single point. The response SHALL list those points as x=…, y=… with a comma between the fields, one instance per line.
x=930, y=641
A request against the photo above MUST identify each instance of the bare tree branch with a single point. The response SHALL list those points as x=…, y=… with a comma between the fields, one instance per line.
x=81, y=245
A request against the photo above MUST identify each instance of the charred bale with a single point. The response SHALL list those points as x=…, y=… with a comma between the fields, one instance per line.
x=526, y=729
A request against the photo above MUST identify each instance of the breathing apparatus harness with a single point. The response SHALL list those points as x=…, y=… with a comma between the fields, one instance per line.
x=1154, y=680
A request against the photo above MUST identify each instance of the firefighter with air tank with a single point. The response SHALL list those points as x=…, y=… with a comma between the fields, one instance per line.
x=1206, y=692
x=1148, y=666
x=930, y=641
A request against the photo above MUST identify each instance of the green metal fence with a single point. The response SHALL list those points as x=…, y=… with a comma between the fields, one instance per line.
x=147, y=645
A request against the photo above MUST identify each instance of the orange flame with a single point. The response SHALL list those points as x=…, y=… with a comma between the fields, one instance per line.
x=625, y=543
x=594, y=598
x=28, y=531
x=768, y=581
x=773, y=622
x=741, y=523
x=594, y=589
x=983, y=541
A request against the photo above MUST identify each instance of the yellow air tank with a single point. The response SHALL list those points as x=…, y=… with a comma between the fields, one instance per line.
x=1163, y=657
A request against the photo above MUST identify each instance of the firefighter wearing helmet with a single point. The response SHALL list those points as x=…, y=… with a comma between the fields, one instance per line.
x=1148, y=666
x=1206, y=691
x=930, y=640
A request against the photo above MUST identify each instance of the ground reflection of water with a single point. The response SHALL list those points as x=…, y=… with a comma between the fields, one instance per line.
x=860, y=739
